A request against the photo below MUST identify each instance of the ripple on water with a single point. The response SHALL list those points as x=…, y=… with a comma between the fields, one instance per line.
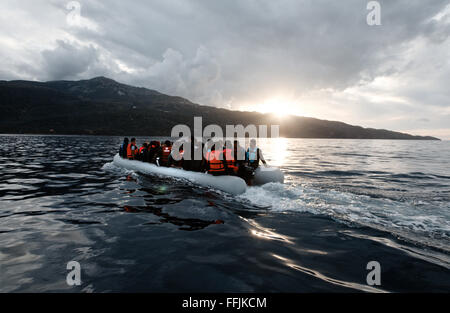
x=337, y=208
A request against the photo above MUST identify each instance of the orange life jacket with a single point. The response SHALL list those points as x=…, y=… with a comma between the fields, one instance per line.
x=216, y=165
x=130, y=152
x=229, y=159
x=166, y=150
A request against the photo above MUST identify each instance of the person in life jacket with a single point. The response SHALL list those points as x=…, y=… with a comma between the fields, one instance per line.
x=164, y=154
x=143, y=152
x=215, y=163
x=153, y=149
x=123, y=149
x=238, y=153
x=192, y=161
x=229, y=158
x=132, y=149
x=206, y=148
x=176, y=156
x=197, y=155
x=239, y=156
x=254, y=155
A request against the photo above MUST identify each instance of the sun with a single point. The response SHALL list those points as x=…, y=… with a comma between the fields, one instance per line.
x=277, y=106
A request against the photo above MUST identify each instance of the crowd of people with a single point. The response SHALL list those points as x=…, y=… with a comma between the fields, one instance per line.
x=214, y=157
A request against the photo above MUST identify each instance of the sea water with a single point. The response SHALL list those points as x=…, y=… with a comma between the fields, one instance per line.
x=344, y=204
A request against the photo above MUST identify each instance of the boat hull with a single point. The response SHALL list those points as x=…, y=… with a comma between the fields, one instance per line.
x=230, y=184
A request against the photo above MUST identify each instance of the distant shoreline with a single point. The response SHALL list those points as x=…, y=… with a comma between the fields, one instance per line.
x=101, y=106
x=163, y=136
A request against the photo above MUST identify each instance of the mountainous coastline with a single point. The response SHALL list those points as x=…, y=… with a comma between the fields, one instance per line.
x=102, y=106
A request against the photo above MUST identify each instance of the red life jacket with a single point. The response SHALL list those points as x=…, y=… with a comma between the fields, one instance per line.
x=215, y=163
x=166, y=150
x=141, y=149
x=229, y=159
x=154, y=144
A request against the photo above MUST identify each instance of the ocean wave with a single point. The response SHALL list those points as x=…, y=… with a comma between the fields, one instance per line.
x=422, y=222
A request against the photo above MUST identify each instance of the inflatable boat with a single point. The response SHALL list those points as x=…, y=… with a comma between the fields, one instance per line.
x=230, y=184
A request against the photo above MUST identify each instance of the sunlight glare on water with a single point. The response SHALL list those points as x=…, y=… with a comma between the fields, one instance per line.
x=343, y=203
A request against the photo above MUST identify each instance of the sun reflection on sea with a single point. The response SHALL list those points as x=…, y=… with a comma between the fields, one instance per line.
x=275, y=150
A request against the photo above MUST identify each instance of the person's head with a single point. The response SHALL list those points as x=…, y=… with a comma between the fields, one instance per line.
x=168, y=143
x=253, y=143
x=126, y=140
x=145, y=145
x=228, y=144
x=212, y=145
x=133, y=140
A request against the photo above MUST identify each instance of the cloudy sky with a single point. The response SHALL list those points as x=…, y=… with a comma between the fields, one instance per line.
x=316, y=58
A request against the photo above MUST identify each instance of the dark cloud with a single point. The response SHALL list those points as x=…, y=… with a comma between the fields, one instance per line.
x=238, y=53
x=68, y=61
